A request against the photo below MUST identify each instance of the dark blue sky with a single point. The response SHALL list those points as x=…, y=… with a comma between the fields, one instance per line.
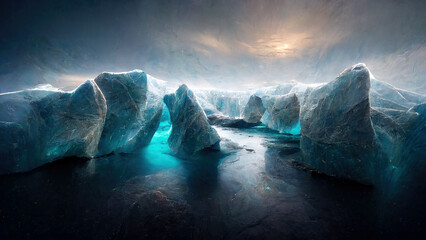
x=224, y=44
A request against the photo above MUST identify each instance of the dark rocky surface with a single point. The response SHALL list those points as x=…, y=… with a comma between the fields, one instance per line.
x=237, y=194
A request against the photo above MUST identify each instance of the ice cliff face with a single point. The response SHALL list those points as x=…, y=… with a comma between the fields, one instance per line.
x=191, y=131
x=229, y=106
x=401, y=136
x=282, y=113
x=133, y=113
x=204, y=99
x=228, y=103
x=41, y=125
x=281, y=89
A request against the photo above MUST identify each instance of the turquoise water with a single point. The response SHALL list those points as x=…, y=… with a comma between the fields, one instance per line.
x=158, y=153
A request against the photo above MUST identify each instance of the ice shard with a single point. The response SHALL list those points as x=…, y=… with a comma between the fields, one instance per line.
x=191, y=131
x=336, y=128
x=38, y=126
x=254, y=109
x=133, y=113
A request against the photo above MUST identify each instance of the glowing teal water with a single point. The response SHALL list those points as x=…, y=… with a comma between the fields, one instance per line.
x=157, y=152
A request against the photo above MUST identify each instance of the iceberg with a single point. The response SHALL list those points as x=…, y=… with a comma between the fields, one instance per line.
x=191, y=131
x=336, y=129
x=254, y=109
x=41, y=125
x=134, y=112
x=382, y=144
x=282, y=113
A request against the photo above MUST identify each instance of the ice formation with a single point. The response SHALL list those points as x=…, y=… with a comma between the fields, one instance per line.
x=229, y=106
x=228, y=103
x=282, y=113
x=254, y=109
x=385, y=95
x=280, y=89
x=336, y=126
x=191, y=131
x=343, y=136
x=40, y=125
x=133, y=113
x=401, y=135
x=355, y=127
x=203, y=99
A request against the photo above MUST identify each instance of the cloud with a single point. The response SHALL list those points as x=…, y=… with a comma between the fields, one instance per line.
x=221, y=43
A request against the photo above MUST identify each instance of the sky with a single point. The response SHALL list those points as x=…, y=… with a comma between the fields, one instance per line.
x=224, y=44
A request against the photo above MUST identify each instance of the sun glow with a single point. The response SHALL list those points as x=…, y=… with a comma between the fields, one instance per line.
x=282, y=47
x=279, y=45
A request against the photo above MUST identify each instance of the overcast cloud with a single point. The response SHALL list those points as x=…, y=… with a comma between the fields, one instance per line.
x=223, y=44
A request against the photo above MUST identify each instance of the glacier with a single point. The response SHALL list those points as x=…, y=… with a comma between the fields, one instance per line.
x=229, y=106
x=191, y=132
x=227, y=103
x=205, y=102
x=134, y=112
x=281, y=89
x=40, y=125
